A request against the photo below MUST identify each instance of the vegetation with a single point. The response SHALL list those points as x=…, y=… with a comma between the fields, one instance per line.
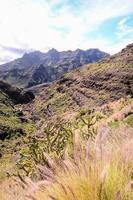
x=91, y=173
x=74, y=142
x=85, y=159
x=14, y=129
x=94, y=167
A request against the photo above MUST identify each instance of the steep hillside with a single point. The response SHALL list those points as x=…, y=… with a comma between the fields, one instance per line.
x=16, y=129
x=14, y=126
x=11, y=118
x=88, y=87
x=37, y=67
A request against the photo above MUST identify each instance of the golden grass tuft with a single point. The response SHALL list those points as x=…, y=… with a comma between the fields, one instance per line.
x=100, y=170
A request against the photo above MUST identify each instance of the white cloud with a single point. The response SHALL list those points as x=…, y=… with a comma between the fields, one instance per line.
x=36, y=24
x=123, y=28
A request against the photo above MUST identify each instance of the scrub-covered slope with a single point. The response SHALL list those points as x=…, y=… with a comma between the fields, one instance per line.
x=10, y=117
x=14, y=126
x=88, y=87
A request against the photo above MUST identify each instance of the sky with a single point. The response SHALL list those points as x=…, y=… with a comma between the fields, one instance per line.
x=29, y=25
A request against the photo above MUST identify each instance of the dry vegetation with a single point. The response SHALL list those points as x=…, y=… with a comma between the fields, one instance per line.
x=99, y=170
x=94, y=166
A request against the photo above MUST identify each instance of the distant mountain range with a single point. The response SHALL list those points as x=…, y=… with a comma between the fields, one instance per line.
x=37, y=67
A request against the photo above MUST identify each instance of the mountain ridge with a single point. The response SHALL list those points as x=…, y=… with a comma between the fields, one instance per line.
x=36, y=67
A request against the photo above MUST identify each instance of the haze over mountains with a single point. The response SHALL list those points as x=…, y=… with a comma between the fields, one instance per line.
x=37, y=67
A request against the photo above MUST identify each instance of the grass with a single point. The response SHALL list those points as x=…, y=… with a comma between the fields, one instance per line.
x=60, y=102
x=114, y=124
x=7, y=166
x=129, y=120
x=87, y=176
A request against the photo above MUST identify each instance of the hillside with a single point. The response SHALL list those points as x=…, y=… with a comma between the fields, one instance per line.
x=94, y=151
x=80, y=126
x=11, y=117
x=13, y=124
x=37, y=67
x=123, y=57
x=88, y=87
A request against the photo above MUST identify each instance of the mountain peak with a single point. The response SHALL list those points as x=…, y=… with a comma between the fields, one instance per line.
x=33, y=53
x=78, y=50
x=52, y=51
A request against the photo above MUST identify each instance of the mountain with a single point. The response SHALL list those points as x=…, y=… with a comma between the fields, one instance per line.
x=91, y=87
x=37, y=67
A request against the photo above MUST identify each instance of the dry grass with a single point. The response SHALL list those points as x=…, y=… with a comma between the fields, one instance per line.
x=100, y=170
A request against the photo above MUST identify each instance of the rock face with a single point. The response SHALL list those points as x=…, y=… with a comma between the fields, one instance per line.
x=37, y=67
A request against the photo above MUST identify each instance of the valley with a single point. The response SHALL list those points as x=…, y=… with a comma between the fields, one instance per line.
x=69, y=137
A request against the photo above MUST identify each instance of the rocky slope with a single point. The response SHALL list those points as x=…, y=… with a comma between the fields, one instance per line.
x=88, y=87
x=123, y=57
x=37, y=67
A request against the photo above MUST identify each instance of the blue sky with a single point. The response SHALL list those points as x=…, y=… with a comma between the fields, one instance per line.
x=28, y=25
